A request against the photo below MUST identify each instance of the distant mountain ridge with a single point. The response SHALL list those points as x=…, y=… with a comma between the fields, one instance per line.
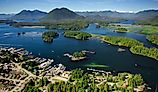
x=29, y=15
x=113, y=14
x=5, y=16
x=59, y=14
x=150, y=21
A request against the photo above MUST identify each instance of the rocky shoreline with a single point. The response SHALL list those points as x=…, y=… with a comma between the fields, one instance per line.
x=73, y=58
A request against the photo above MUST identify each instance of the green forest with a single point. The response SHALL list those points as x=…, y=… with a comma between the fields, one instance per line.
x=78, y=54
x=149, y=52
x=80, y=81
x=49, y=36
x=153, y=39
x=121, y=41
x=77, y=35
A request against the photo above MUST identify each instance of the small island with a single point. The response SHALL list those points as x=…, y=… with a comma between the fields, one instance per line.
x=79, y=55
x=121, y=30
x=49, y=36
x=77, y=35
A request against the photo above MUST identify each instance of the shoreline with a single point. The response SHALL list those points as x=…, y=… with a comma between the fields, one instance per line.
x=54, y=73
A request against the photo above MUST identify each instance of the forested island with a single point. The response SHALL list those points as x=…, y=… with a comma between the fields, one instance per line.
x=121, y=30
x=79, y=55
x=153, y=39
x=21, y=71
x=49, y=36
x=77, y=35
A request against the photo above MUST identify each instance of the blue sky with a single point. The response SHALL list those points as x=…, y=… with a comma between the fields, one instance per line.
x=15, y=6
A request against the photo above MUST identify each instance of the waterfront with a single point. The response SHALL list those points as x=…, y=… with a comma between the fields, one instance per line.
x=105, y=54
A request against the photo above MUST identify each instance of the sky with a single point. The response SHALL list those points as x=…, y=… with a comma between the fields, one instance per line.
x=15, y=6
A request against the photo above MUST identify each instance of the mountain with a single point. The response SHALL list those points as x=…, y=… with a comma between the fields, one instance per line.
x=60, y=14
x=107, y=14
x=29, y=15
x=149, y=21
x=6, y=16
x=146, y=14
x=113, y=14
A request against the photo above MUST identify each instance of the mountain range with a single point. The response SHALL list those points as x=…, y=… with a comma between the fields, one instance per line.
x=113, y=14
x=59, y=14
x=29, y=15
x=5, y=16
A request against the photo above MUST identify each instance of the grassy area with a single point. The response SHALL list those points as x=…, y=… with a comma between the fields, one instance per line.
x=145, y=29
x=149, y=29
x=96, y=65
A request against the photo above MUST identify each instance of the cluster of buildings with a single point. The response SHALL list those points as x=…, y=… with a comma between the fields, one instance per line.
x=14, y=77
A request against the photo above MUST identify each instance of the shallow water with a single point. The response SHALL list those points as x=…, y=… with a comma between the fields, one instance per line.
x=105, y=54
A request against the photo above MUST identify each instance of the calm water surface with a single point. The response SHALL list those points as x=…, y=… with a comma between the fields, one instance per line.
x=105, y=54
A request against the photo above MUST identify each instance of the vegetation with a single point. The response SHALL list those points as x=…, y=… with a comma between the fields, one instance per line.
x=143, y=29
x=34, y=86
x=96, y=65
x=49, y=36
x=102, y=24
x=30, y=87
x=149, y=30
x=149, y=21
x=71, y=25
x=153, y=39
x=60, y=14
x=121, y=41
x=7, y=57
x=31, y=66
x=121, y=30
x=80, y=81
x=78, y=54
x=136, y=47
x=77, y=35
x=149, y=52
x=21, y=24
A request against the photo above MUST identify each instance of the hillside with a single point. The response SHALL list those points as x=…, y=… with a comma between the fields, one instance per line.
x=113, y=14
x=60, y=14
x=146, y=14
x=29, y=15
x=5, y=16
x=149, y=21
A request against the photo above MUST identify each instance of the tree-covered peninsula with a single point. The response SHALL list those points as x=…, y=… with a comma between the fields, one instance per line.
x=77, y=35
x=136, y=47
x=49, y=36
x=120, y=41
x=149, y=52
